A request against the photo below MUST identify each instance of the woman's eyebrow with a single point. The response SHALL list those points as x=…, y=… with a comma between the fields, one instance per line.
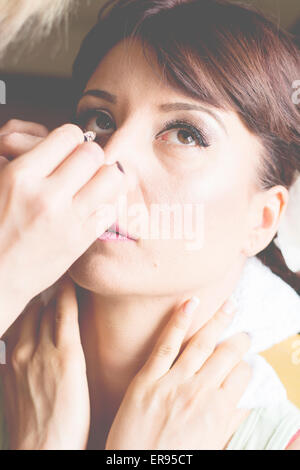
x=166, y=107
x=101, y=94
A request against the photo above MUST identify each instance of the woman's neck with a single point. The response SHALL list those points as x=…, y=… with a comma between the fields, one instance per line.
x=119, y=333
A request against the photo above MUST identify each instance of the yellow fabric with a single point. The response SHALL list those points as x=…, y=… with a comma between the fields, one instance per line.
x=285, y=360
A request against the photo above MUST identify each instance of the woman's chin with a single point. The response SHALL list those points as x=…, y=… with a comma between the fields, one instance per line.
x=102, y=275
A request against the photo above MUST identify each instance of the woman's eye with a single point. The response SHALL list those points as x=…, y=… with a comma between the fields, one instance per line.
x=184, y=134
x=97, y=121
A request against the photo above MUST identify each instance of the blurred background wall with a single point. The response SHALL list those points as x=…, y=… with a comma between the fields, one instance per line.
x=38, y=80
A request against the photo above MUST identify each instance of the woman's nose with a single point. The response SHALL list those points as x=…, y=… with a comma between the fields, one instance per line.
x=124, y=149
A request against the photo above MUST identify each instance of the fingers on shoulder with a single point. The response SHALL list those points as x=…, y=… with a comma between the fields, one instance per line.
x=236, y=346
x=66, y=300
x=66, y=316
x=23, y=336
x=237, y=381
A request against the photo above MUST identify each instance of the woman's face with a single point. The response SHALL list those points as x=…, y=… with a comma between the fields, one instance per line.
x=208, y=162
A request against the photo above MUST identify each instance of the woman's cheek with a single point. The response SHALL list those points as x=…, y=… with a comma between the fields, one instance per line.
x=224, y=225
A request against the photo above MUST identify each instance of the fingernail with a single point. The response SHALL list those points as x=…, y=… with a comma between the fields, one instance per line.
x=230, y=306
x=120, y=167
x=191, y=305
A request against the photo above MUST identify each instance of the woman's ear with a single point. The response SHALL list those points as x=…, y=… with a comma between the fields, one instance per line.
x=266, y=210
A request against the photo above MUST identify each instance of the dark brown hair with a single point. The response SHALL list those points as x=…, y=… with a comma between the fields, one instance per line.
x=224, y=54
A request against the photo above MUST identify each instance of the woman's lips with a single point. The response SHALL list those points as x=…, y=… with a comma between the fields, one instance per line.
x=115, y=233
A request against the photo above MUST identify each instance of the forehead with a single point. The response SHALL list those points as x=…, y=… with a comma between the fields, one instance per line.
x=125, y=67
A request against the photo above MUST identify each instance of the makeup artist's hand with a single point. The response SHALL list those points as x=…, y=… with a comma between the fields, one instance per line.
x=191, y=404
x=53, y=189
x=45, y=385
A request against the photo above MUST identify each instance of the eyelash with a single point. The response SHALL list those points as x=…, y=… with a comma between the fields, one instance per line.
x=182, y=124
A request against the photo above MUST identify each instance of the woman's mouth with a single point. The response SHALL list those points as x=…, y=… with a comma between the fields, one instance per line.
x=115, y=233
